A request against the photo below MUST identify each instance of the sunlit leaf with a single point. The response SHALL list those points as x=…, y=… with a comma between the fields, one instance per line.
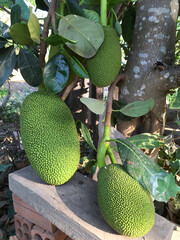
x=147, y=172
x=34, y=27
x=138, y=108
x=87, y=136
x=20, y=34
x=89, y=35
x=94, y=105
x=147, y=140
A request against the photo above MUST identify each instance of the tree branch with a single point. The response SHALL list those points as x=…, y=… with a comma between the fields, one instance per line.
x=43, y=47
x=64, y=94
x=121, y=76
x=3, y=8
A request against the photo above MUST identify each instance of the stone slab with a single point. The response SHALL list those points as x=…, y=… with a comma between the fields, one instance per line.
x=73, y=207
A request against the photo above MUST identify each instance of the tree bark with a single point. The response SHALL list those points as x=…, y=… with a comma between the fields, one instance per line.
x=150, y=70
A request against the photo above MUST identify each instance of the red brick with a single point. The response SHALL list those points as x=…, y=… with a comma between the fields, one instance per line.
x=22, y=227
x=34, y=217
x=41, y=234
x=21, y=202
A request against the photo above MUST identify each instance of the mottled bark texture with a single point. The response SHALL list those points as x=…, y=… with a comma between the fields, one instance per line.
x=150, y=70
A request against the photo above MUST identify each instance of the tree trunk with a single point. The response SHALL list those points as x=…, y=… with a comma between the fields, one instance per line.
x=150, y=70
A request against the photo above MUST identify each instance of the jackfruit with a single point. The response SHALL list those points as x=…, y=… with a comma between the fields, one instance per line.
x=104, y=67
x=125, y=205
x=49, y=137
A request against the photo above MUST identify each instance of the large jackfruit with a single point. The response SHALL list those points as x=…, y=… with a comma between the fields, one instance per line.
x=49, y=137
x=124, y=203
x=104, y=67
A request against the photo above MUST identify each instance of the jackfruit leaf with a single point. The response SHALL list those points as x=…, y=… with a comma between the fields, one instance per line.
x=178, y=122
x=42, y=5
x=3, y=28
x=175, y=166
x=20, y=34
x=90, y=2
x=30, y=67
x=7, y=63
x=94, y=105
x=56, y=73
x=3, y=42
x=128, y=23
x=87, y=136
x=77, y=67
x=57, y=39
x=24, y=9
x=92, y=15
x=74, y=8
x=138, y=108
x=148, y=173
x=147, y=140
x=116, y=106
x=34, y=27
x=89, y=35
x=175, y=102
x=118, y=28
x=15, y=14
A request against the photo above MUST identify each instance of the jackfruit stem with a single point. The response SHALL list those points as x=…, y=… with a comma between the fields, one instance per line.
x=103, y=13
x=104, y=144
x=104, y=147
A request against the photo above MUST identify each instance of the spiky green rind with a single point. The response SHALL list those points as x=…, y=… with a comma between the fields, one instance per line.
x=124, y=203
x=104, y=67
x=49, y=137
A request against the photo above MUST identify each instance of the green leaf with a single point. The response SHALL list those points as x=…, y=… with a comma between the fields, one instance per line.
x=20, y=34
x=89, y=35
x=3, y=167
x=56, y=73
x=15, y=14
x=24, y=9
x=92, y=15
x=3, y=42
x=57, y=39
x=116, y=106
x=77, y=67
x=175, y=166
x=128, y=22
x=3, y=28
x=74, y=8
x=7, y=63
x=168, y=187
x=147, y=172
x=34, y=27
x=118, y=28
x=138, y=108
x=94, y=105
x=30, y=68
x=175, y=102
x=42, y=5
x=147, y=140
x=87, y=136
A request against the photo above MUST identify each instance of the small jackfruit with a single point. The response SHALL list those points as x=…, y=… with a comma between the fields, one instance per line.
x=104, y=67
x=49, y=137
x=125, y=205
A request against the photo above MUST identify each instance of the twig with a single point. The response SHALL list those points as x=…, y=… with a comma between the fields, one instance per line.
x=3, y=8
x=121, y=76
x=68, y=89
x=43, y=47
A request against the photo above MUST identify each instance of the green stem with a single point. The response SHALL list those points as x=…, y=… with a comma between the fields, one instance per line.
x=61, y=8
x=103, y=13
x=111, y=154
x=103, y=147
